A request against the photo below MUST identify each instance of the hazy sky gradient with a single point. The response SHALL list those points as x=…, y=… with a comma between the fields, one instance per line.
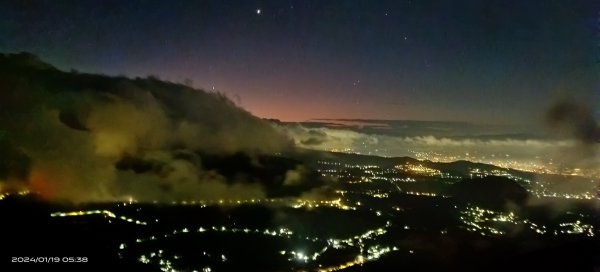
x=482, y=61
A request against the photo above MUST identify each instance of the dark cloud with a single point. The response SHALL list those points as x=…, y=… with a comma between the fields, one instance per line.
x=573, y=118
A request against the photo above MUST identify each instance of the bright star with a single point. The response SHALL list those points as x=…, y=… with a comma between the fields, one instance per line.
x=258, y=11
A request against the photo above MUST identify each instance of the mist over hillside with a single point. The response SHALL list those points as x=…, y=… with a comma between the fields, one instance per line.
x=81, y=137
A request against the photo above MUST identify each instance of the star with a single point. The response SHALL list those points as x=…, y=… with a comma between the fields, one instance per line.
x=258, y=11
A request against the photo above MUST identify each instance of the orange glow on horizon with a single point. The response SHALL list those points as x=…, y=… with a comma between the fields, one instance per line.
x=42, y=183
x=292, y=113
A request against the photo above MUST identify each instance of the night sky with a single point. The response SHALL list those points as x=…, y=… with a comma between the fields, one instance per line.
x=479, y=61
